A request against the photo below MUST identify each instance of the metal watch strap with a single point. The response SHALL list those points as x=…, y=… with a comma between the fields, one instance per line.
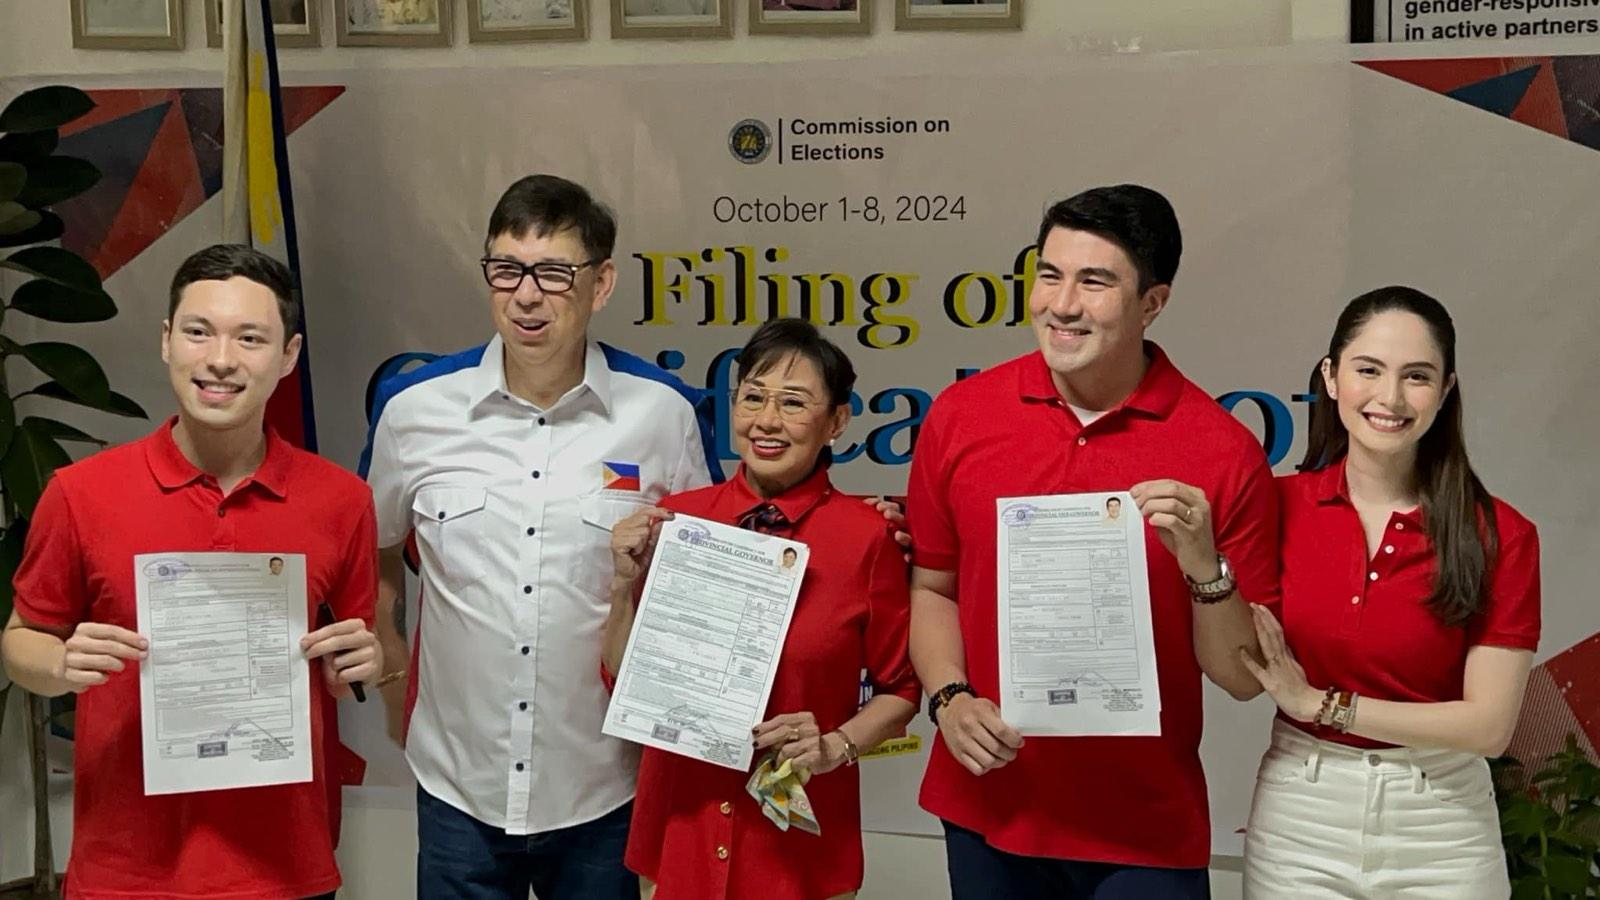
x=1216, y=590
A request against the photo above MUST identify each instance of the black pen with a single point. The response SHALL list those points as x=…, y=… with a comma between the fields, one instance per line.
x=325, y=612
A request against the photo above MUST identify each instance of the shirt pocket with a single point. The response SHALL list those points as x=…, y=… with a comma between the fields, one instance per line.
x=450, y=524
x=603, y=511
x=600, y=512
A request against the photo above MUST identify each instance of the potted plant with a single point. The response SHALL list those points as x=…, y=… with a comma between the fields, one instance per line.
x=56, y=285
x=1550, y=824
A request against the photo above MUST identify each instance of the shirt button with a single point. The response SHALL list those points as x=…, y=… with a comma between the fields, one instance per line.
x=1354, y=600
x=536, y=473
x=541, y=420
x=523, y=706
x=722, y=852
x=520, y=767
x=1399, y=526
x=527, y=589
x=1372, y=759
x=1373, y=576
x=530, y=531
x=1082, y=441
x=221, y=512
x=1389, y=549
x=441, y=515
x=526, y=650
x=726, y=808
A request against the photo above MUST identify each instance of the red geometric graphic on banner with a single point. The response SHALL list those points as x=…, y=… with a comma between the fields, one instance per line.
x=153, y=178
x=1558, y=95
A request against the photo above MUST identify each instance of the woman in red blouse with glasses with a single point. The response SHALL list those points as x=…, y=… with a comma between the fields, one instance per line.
x=696, y=833
x=1410, y=616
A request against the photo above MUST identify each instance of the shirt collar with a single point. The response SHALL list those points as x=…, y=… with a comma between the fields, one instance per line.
x=173, y=470
x=793, y=503
x=1330, y=485
x=1157, y=393
x=489, y=379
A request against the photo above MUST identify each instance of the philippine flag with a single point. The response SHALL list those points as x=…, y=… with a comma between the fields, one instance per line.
x=619, y=476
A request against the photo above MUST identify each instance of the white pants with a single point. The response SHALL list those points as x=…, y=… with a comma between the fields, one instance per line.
x=1335, y=821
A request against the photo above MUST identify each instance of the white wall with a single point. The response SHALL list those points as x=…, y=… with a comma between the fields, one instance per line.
x=379, y=837
x=35, y=38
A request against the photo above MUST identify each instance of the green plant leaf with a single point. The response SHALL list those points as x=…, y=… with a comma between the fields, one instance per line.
x=73, y=367
x=23, y=148
x=50, y=301
x=1528, y=887
x=28, y=464
x=8, y=422
x=57, y=178
x=55, y=264
x=16, y=218
x=10, y=560
x=1569, y=874
x=45, y=108
x=117, y=405
x=48, y=228
x=61, y=431
x=12, y=177
x=1525, y=818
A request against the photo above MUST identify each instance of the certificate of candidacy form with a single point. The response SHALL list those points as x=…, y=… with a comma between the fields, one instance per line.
x=700, y=662
x=225, y=695
x=1077, y=648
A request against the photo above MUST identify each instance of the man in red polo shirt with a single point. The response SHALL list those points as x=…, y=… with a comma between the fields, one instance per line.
x=209, y=479
x=1097, y=408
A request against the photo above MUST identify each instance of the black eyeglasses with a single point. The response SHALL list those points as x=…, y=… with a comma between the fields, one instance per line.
x=551, y=277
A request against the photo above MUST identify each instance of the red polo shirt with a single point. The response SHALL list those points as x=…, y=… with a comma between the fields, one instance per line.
x=1361, y=621
x=695, y=831
x=1006, y=433
x=145, y=497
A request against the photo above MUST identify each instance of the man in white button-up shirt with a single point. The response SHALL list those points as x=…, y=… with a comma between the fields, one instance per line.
x=509, y=463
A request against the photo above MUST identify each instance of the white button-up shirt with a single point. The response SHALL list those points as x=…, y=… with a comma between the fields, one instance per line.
x=512, y=507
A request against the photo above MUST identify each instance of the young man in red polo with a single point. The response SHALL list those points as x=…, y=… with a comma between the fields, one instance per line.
x=212, y=478
x=1097, y=408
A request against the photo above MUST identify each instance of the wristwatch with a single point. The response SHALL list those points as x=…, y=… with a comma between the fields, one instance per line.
x=1216, y=590
x=944, y=695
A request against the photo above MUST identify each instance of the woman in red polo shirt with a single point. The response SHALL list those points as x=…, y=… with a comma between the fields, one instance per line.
x=1410, y=617
x=696, y=833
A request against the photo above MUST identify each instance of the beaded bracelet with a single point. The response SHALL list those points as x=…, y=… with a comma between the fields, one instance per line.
x=1322, y=711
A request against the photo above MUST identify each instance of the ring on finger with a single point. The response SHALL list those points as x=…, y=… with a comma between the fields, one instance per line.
x=1186, y=511
x=794, y=734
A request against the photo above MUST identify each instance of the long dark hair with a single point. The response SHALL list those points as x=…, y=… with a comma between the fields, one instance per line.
x=1457, y=510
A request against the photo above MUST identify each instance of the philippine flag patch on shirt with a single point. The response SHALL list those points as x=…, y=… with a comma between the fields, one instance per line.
x=619, y=476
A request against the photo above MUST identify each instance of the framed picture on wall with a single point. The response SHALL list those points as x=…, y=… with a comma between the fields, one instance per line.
x=810, y=16
x=127, y=24
x=392, y=23
x=917, y=15
x=526, y=20
x=294, y=23
x=671, y=18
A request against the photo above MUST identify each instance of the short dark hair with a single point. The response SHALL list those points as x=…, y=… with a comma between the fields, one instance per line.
x=790, y=551
x=1134, y=217
x=220, y=262
x=780, y=337
x=1111, y=500
x=275, y=559
x=546, y=204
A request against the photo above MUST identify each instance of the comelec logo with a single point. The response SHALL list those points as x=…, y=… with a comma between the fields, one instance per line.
x=750, y=141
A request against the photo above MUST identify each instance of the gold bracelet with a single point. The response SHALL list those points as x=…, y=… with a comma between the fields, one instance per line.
x=392, y=676
x=851, y=754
